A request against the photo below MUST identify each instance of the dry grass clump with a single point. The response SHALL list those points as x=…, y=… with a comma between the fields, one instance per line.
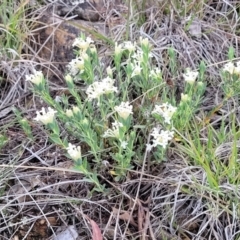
x=181, y=198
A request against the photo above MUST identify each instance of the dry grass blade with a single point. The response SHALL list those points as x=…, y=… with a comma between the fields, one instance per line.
x=40, y=192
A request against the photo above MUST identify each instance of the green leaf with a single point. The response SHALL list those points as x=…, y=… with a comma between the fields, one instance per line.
x=55, y=138
x=231, y=53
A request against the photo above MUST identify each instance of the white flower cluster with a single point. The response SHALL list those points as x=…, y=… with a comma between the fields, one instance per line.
x=71, y=112
x=155, y=73
x=185, y=97
x=82, y=44
x=76, y=66
x=127, y=45
x=137, y=69
x=144, y=41
x=131, y=47
x=165, y=110
x=36, y=78
x=74, y=151
x=109, y=71
x=118, y=49
x=160, y=137
x=124, y=110
x=135, y=55
x=231, y=68
x=138, y=56
x=96, y=89
x=114, y=132
x=124, y=144
x=44, y=116
x=190, y=76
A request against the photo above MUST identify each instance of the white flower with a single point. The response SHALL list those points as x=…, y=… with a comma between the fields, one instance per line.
x=127, y=45
x=124, y=110
x=156, y=72
x=124, y=144
x=200, y=84
x=96, y=89
x=118, y=49
x=89, y=40
x=82, y=44
x=229, y=67
x=108, y=133
x=190, y=76
x=152, y=73
x=165, y=110
x=109, y=71
x=185, y=97
x=138, y=56
x=45, y=117
x=69, y=112
x=85, y=122
x=107, y=85
x=75, y=109
x=93, y=48
x=237, y=68
x=85, y=56
x=144, y=41
x=114, y=132
x=36, y=78
x=149, y=147
x=116, y=127
x=161, y=138
x=74, y=151
x=68, y=78
x=136, y=70
x=76, y=66
x=58, y=99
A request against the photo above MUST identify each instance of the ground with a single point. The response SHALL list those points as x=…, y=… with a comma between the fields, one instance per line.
x=192, y=194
